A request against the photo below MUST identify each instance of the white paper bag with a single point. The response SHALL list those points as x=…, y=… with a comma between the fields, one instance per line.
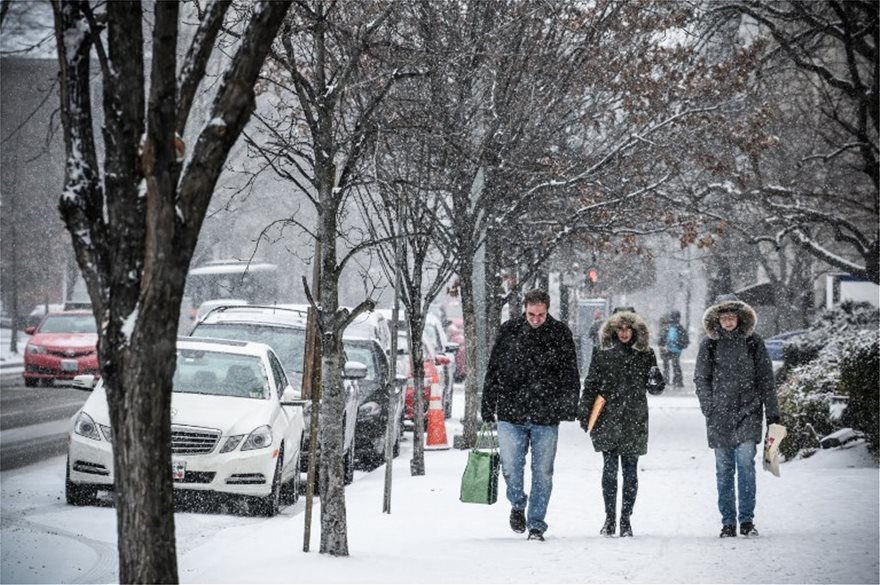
x=775, y=434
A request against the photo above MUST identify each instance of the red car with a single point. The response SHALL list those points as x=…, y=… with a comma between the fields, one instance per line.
x=62, y=346
x=430, y=380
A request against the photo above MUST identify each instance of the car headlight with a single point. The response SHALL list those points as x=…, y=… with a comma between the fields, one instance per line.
x=86, y=427
x=231, y=443
x=36, y=349
x=369, y=410
x=260, y=438
x=107, y=432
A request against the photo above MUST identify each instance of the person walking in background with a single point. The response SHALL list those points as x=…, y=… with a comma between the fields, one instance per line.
x=672, y=339
x=734, y=384
x=532, y=383
x=598, y=317
x=622, y=371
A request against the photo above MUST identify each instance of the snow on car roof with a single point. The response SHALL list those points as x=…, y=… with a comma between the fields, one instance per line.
x=250, y=348
x=268, y=314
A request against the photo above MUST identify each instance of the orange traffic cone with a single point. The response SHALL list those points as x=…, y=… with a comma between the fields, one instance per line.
x=436, y=421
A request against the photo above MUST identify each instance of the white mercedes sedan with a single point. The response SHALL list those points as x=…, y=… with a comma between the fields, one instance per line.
x=236, y=428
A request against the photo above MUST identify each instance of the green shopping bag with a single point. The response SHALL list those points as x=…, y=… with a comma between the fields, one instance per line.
x=479, y=482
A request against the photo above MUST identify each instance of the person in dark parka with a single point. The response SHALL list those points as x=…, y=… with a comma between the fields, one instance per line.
x=622, y=371
x=734, y=384
x=532, y=383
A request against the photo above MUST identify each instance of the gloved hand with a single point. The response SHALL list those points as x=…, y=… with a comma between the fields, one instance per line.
x=772, y=420
x=656, y=383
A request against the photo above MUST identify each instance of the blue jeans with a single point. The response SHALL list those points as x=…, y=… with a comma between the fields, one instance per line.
x=739, y=460
x=513, y=443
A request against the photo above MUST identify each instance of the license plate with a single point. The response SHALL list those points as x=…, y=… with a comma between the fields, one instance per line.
x=69, y=365
x=178, y=470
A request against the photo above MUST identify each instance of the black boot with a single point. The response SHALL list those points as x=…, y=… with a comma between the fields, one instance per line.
x=518, y=520
x=728, y=530
x=609, y=527
x=625, y=526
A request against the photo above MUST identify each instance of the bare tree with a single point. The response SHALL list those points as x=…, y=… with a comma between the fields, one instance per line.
x=556, y=120
x=330, y=80
x=134, y=215
x=805, y=146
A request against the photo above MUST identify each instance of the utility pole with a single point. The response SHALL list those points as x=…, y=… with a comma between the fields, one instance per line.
x=394, y=385
x=311, y=385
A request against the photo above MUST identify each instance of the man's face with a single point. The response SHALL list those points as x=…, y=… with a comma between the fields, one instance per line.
x=536, y=314
x=728, y=321
x=624, y=333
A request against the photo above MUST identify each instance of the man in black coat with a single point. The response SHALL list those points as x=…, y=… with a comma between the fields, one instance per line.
x=734, y=383
x=532, y=383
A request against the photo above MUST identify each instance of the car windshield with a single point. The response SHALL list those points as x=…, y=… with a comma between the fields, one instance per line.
x=69, y=324
x=359, y=353
x=288, y=342
x=220, y=374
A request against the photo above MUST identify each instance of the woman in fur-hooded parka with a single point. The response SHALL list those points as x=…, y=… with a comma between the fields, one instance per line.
x=619, y=372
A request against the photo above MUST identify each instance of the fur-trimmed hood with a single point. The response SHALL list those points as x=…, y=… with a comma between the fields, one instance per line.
x=641, y=335
x=725, y=303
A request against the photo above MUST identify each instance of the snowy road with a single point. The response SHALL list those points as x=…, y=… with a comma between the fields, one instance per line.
x=818, y=522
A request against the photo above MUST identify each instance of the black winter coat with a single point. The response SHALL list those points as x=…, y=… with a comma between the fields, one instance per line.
x=532, y=374
x=620, y=374
x=734, y=379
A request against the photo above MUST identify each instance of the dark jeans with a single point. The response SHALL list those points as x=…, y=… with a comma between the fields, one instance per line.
x=630, y=464
x=672, y=359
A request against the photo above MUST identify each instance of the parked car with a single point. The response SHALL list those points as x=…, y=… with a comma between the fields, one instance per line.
x=380, y=394
x=429, y=381
x=444, y=358
x=236, y=428
x=452, y=319
x=775, y=343
x=62, y=346
x=284, y=330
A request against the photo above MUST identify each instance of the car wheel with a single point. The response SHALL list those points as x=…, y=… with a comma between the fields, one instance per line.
x=31, y=382
x=78, y=495
x=269, y=506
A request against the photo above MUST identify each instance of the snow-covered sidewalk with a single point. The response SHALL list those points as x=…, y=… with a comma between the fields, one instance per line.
x=818, y=523
x=11, y=362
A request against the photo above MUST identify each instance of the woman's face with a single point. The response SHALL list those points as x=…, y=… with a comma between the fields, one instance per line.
x=728, y=321
x=624, y=333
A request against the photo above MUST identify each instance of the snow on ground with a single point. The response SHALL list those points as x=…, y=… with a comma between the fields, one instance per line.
x=11, y=361
x=818, y=523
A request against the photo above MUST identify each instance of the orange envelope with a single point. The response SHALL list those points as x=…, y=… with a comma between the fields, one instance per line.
x=598, y=404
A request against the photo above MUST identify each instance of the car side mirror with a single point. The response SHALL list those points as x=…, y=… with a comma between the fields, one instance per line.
x=30, y=330
x=291, y=394
x=354, y=371
x=451, y=347
x=442, y=360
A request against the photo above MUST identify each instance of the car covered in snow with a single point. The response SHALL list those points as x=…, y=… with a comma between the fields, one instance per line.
x=776, y=343
x=236, y=428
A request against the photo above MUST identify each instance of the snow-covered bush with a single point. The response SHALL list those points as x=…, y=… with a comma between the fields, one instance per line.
x=828, y=332
x=859, y=373
x=811, y=394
